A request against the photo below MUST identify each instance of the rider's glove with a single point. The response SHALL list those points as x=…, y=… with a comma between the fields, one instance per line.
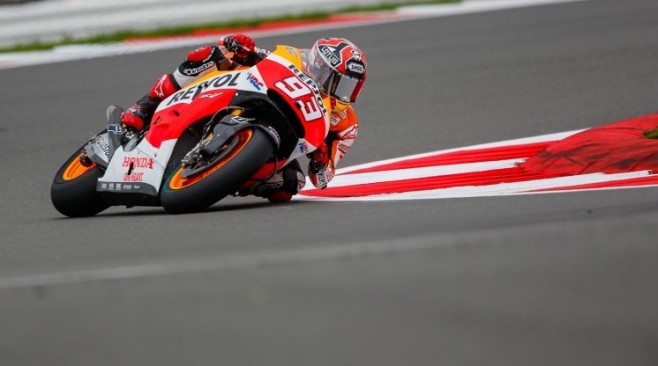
x=319, y=158
x=242, y=46
x=320, y=170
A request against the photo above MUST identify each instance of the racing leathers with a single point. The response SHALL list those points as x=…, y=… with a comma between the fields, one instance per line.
x=232, y=51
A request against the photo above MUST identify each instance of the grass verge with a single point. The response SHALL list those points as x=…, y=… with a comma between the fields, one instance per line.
x=119, y=36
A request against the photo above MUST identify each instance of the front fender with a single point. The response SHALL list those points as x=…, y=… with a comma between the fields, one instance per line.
x=229, y=126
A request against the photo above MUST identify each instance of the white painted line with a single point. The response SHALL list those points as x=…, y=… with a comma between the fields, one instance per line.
x=475, y=6
x=345, y=177
x=226, y=262
x=502, y=189
x=417, y=173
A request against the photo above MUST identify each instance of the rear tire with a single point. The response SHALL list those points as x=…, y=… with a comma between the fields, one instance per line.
x=224, y=177
x=73, y=191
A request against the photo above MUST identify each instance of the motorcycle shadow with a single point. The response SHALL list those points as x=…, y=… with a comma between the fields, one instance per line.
x=227, y=205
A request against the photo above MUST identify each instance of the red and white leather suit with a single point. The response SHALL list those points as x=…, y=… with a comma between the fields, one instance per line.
x=281, y=186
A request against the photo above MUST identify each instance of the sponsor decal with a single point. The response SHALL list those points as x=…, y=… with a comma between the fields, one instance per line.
x=159, y=88
x=115, y=128
x=134, y=177
x=135, y=162
x=356, y=68
x=343, y=149
x=262, y=53
x=103, y=145
x=241, y=120
x=210, y=95
x=292, y=51
x=349, y=133
x=268, y=187
x=356, y=55
x=120, y=187
x=327, y=52
x=255, y=82
x=303, y=147
x=274, y=134
x=197, y=70
x=187, y=95
x=323, y=177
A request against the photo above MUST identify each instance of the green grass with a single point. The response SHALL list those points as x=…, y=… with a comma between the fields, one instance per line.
x=119, y=36
x=653, y=134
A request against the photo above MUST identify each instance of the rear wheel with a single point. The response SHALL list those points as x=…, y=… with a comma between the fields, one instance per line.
x=243, y=155
x=73, y=191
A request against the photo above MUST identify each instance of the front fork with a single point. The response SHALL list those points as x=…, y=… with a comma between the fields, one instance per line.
x=218, y=137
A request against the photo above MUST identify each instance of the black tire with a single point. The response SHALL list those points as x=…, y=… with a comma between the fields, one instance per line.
x=228, y=175
x=75, y=195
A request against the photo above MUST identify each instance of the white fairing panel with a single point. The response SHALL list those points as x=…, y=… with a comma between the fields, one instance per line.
x=140, y=170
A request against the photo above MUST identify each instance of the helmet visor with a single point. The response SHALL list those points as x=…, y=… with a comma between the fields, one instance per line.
x=343, y=87
x=337, y=85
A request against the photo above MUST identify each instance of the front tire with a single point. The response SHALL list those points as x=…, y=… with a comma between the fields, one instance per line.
x=73, y=191
x=224, y=177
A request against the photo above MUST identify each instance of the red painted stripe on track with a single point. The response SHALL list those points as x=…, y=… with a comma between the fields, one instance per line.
x=490, y=177
x=461, y=157
x=616, y=147
x=632, y=182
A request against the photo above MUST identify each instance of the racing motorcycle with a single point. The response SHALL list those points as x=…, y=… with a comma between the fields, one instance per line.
x=210, y=139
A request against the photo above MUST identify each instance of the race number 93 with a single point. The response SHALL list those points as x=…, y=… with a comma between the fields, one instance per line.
x=296, y=89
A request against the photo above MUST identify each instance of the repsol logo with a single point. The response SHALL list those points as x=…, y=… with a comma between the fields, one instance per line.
x=230, y=80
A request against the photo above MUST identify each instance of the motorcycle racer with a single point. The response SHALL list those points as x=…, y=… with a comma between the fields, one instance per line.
x=336, y=64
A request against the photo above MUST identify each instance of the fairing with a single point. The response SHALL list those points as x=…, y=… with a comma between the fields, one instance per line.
x=141, y=169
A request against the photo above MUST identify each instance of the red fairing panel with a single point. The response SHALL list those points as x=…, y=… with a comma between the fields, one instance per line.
x=298, y=90
x=191, y=104
x=188, y=105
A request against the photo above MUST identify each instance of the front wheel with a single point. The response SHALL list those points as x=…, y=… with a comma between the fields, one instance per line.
x=73, y=191
x=248, y=150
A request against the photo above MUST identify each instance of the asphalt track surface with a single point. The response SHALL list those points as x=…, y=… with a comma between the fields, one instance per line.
x=555, y=279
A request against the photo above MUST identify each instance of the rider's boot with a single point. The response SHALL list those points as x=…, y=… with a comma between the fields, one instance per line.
x=281, y=186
